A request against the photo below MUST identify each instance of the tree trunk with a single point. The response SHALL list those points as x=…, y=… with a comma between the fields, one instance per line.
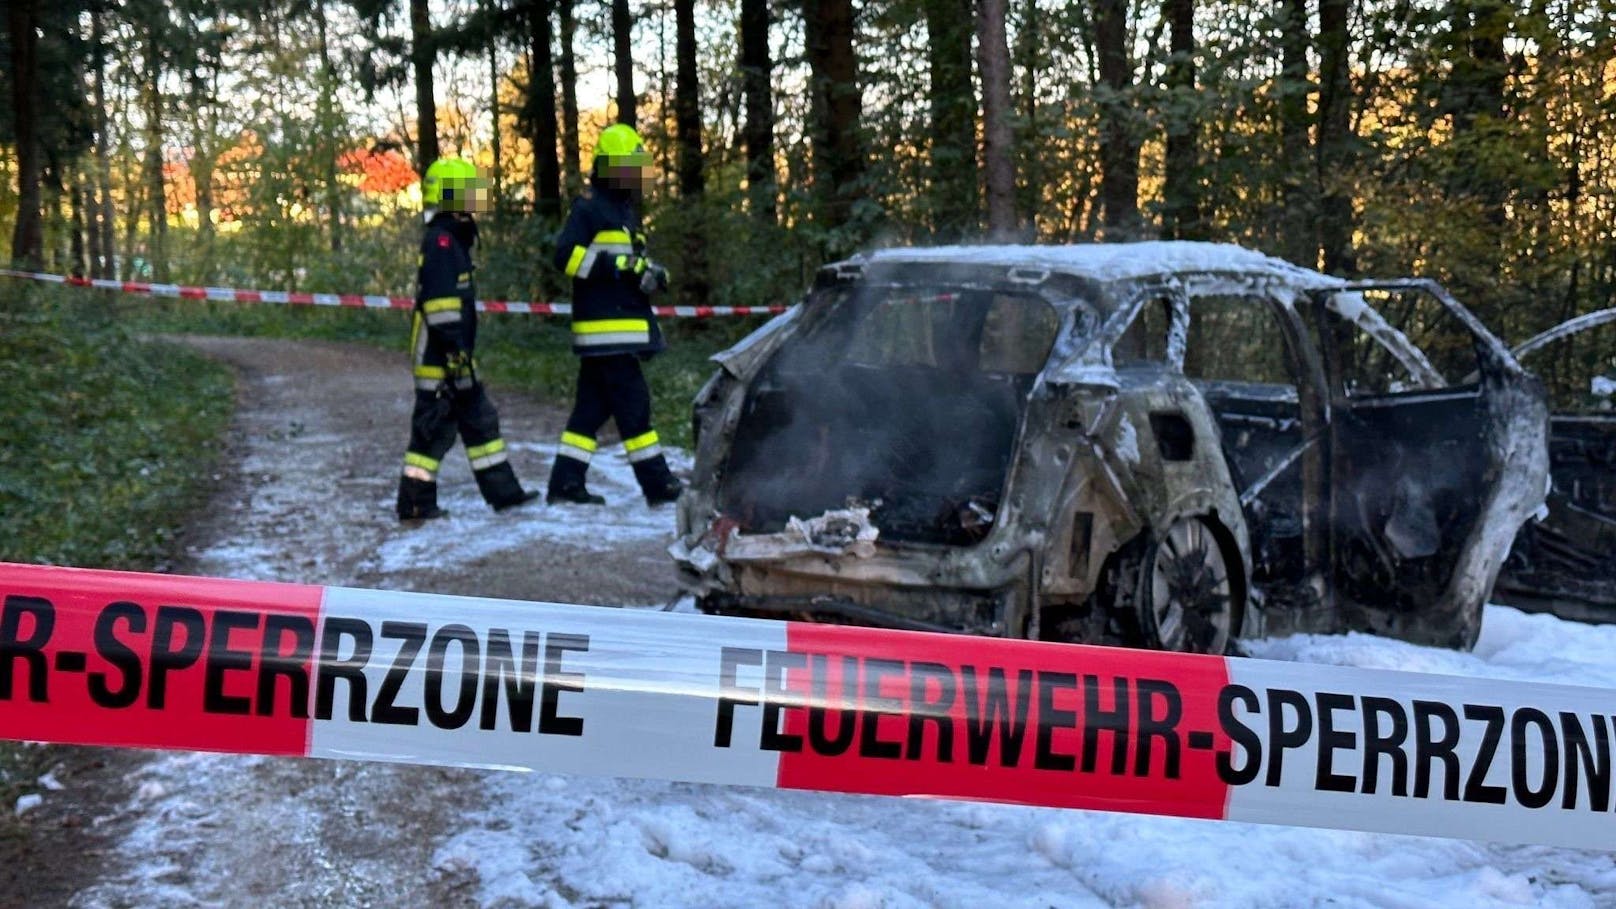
x=423, y=53
x=1028, y=49
x=1181, y=214
x=331, y=146
x=540, y=112
x=27, y=236
x=693, y=289
x=569, y=100
x=203, y=155
x=687, y=100
x=129, y=176
x=54, y=190
x=836, y=100
x=156, y=189
x=952, y=196
x=997, y=153
x=1477, y=82
x=757, y=73
x=497, y=186
x=1335, y=158
x=1119, y=155
x=76, y=209
x=1297, y=241
x=623, y=62
x=105, y=264
x=92, y=224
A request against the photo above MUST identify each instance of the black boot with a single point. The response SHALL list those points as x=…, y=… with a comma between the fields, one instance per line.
x=527, y=496
x=418, y=500
x=500, y=488
x=567, y=484
x=657, y=481
x=573, y=495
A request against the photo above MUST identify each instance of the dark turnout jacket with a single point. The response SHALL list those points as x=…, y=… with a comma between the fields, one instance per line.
x=610, y=314
x=445, y=302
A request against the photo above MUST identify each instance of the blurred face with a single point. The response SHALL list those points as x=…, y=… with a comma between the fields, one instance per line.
x=465, y=194
x=634, y=175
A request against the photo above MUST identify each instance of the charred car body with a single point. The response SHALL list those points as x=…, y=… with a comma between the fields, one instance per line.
x=1566, y=563
x=1165, y=444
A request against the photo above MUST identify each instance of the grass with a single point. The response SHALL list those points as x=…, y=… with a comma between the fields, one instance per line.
x=530, y=354
x=107, y=446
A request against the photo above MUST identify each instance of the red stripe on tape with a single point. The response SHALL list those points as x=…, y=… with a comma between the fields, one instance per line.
x=1001, y=720
x=166, y=662
x=193, y=293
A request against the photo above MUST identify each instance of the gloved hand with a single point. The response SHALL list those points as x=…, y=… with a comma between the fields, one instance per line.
x=655, y=279
x=459, y=365
x=651, y=276
x=630, y=266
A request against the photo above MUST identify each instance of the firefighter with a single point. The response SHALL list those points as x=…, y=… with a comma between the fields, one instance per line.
x=449, y=399
x=603, y=251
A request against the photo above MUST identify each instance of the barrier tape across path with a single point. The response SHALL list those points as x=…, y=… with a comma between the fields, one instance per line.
x=157, y=661
x=366, y=301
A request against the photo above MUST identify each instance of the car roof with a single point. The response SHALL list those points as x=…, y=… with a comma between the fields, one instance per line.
x=1114, y=262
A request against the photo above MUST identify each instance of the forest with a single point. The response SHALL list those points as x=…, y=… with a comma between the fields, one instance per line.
x=276, y=143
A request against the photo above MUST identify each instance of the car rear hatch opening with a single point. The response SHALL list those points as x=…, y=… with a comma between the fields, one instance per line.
x=903, y=399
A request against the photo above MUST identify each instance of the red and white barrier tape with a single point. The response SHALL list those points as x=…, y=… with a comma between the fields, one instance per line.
x=366, y=301
x=154, y=661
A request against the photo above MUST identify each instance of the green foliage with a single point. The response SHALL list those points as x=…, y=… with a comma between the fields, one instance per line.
x=109, y=439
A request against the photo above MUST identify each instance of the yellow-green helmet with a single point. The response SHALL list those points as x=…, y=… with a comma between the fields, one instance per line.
x=620, y=146
x=449, y=184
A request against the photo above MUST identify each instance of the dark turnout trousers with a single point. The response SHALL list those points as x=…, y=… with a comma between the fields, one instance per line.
x=610, y=387
x=454, y=409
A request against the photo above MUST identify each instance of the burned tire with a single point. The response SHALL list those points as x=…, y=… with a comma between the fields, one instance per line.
x=1188, y=596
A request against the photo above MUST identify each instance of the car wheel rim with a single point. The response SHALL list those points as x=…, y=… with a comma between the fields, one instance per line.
x=1190, y=600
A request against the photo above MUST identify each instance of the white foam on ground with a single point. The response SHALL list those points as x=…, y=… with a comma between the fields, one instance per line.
x=472, y=530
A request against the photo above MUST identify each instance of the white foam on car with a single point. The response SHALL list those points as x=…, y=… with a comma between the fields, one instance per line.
x=1117, y=261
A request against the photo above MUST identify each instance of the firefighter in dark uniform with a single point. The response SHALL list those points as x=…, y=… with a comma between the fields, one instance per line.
x=602, y=250
x=449, y=399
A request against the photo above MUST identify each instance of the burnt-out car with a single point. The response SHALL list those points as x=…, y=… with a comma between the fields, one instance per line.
x=1171, y=445
x=1566, y=563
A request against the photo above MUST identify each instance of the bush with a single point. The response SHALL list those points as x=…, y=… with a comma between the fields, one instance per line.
x=108, y=438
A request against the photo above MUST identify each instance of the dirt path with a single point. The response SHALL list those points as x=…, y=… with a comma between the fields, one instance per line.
x=307, y=496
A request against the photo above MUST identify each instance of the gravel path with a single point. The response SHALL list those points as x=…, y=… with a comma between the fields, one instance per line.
x=307, y=496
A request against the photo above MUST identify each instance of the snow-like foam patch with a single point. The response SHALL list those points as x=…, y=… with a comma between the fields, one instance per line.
x=473, y=531
x=1118, y=261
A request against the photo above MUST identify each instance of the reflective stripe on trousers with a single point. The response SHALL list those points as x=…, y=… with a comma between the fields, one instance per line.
x=576, y=446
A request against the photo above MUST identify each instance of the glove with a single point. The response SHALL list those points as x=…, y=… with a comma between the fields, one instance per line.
x=459, y=365
x=651, y=276
x=655, y=279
